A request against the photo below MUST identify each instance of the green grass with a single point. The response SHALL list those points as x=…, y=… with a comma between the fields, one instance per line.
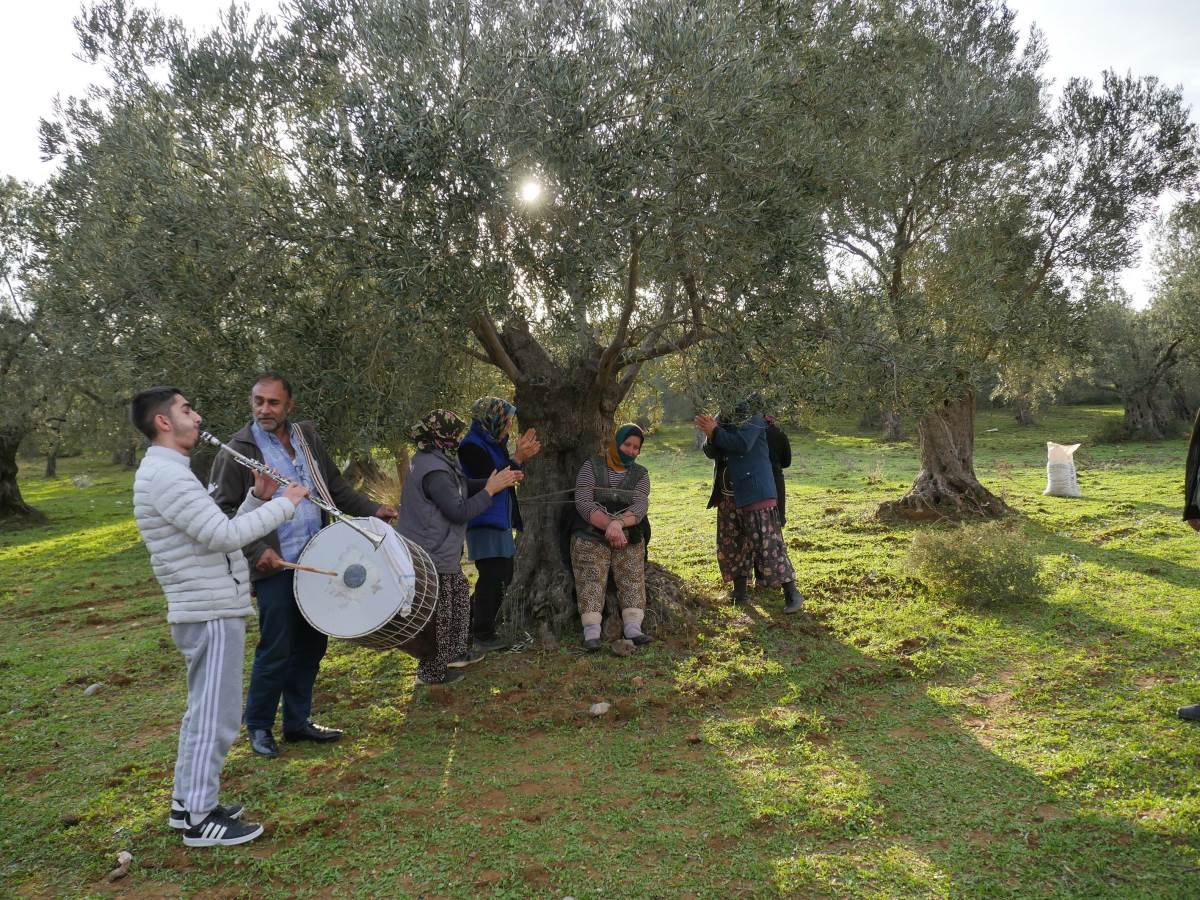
x=886, y=745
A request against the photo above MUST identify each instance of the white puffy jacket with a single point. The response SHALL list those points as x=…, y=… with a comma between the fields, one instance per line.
x=195, y=549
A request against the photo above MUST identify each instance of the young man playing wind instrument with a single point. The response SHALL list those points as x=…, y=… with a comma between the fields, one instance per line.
x=196, y=553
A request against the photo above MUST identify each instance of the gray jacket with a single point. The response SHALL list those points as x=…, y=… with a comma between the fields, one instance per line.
x=438, y=522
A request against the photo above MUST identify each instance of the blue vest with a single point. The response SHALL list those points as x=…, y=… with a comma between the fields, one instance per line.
x=499, y=514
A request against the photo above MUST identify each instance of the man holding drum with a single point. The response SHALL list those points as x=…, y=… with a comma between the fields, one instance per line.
x=289, y=651
x=196, y=555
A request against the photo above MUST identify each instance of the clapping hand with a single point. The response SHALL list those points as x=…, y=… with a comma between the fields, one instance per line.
x=528, y=446
x=707, y=424
x=502, y=480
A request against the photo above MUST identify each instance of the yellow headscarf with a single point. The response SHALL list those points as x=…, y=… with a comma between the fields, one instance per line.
x=617, y=461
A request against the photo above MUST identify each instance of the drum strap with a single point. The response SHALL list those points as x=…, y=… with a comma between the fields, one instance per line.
x=300, y=442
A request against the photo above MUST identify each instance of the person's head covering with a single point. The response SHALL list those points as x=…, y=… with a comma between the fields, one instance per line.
x=743, y=411
x=440, y=429
x=493, y=414
x=617, y=461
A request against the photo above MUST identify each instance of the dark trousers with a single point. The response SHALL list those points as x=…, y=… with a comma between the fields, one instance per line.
x=286, y=659
x=494, y=575
x=780, y=499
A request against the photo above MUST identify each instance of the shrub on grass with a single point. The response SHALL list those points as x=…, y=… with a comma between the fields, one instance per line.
x=979, y=565
x=1111, y=431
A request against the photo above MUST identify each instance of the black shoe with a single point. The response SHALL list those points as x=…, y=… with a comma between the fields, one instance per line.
x=313, y=732
x=793, y=602
x=491, y=644
x=472, y=656
x=452, y=675
x=220, y=831
x=641, y=639
x=263, y=743
x=1191, y=713
x=179, y=818
x=740, y=595
x=591, y=645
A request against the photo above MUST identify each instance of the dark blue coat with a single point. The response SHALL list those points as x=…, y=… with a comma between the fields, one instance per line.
x=744, y=451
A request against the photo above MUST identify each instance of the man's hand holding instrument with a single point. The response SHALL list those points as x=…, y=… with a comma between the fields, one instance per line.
x=291, y=488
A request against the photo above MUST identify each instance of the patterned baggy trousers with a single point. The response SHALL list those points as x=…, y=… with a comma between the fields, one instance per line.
x=746, y=539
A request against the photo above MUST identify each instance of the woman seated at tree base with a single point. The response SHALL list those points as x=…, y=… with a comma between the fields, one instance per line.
x=612, y=495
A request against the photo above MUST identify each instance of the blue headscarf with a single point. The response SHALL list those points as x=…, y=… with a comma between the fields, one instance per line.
x=493, y=414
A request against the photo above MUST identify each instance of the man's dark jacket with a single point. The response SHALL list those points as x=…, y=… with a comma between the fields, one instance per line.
x=231, y=480
x=1190, y=510
x=781, y=457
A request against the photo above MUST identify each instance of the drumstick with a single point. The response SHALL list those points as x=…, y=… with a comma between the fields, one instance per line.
x=292, y=565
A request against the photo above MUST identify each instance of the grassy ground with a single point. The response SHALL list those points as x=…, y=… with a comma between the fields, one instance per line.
x=885, y=745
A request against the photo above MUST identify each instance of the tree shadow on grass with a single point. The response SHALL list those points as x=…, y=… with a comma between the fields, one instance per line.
x=913, y=787
x=803, y=767
x=1118, y=557
x=770, y=758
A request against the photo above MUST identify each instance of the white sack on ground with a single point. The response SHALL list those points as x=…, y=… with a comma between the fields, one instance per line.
x=1061, y=480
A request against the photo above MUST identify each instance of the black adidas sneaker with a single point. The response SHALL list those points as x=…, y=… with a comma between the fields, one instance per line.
x=221, y=831
x=179, y=819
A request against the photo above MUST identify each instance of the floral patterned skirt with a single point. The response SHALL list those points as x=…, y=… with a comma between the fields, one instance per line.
x=749, y=540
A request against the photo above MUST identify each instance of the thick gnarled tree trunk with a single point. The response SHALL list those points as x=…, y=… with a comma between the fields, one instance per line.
x=892, y=428
x=572, y=424
x=573, y=412
x=946, y=486
x=1145, y=418
x=13, y=508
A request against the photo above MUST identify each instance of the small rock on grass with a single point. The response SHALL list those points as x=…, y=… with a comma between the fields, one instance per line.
x=693, y=738
x=91, y=689
x=622, y=647
x=599, y=709
x=638, y=681
x=124, y=858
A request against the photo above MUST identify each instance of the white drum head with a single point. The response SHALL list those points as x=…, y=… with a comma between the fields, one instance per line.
x=371, y=587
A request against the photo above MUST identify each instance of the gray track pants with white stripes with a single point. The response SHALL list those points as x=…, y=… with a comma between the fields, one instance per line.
x=215, y=654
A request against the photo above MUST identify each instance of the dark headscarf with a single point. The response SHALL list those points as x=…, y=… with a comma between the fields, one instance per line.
x=743, y=411
x=617, y=461
x=438, y=430
x=493, y=414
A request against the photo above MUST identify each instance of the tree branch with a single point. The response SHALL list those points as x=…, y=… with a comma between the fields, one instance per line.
x=625, y=385
x=475, y=354
x=695, y=334
x=609, y=357
x=644, y=354
x=860, y=253
x=484, y=329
